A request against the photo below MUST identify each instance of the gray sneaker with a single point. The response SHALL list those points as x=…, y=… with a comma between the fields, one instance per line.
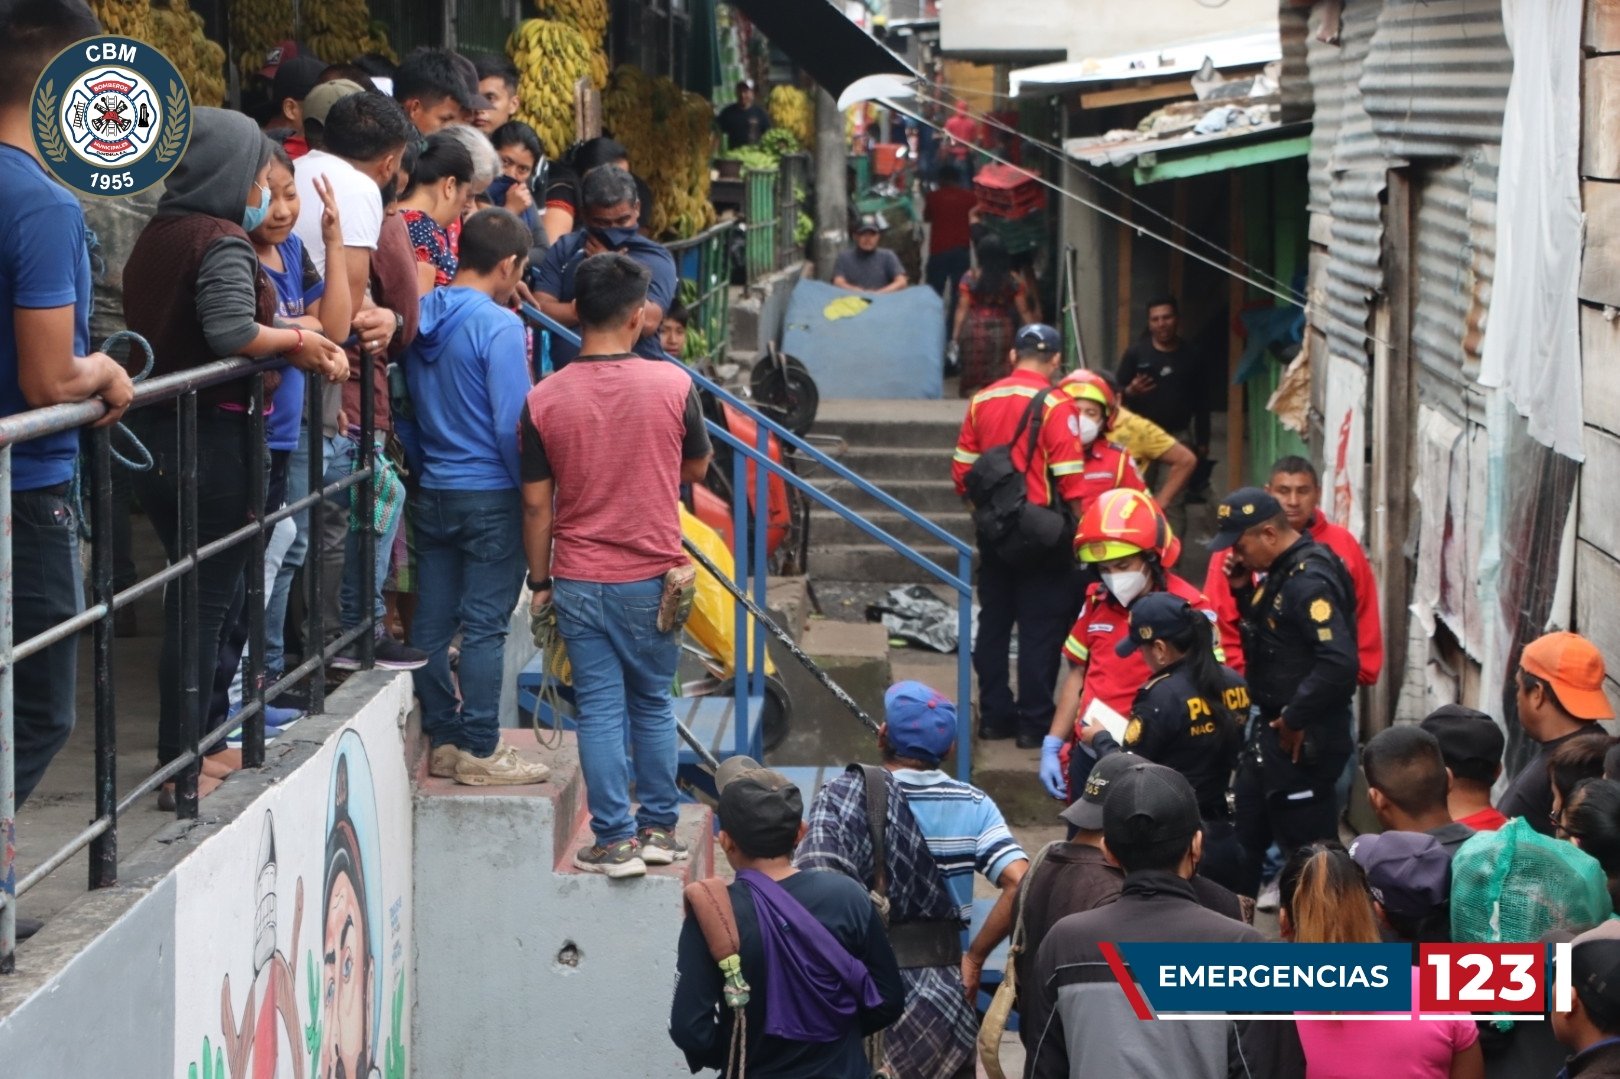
x=617, y=860
x=442, y=761
x=660, y=847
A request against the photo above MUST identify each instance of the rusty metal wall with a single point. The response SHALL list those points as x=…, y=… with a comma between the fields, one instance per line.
x=1436, y=80
x=1419, y=83
x=1347, y=175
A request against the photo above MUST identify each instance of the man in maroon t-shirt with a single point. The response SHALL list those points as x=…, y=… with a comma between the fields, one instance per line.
x=606, y=443
x=946, y=209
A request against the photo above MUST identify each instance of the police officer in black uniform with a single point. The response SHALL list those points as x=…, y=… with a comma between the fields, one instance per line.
x=1189, y=716
x=1299, y=637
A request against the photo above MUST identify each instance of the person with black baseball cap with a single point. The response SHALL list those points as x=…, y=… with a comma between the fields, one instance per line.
x=1151, y=828
x=869, y=266
x=813, y=948
x=1020, y=424
x=1299, y=637
x=1075, y=875
x=1190, y=715
x=1471, y=744
x=1591, y=1028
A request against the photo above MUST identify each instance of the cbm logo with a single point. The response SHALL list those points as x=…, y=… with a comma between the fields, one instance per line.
x=111, y=116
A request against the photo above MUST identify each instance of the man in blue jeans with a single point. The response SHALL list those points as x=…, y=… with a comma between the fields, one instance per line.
x=467, y=372
x=606, y=443
x=45, y=359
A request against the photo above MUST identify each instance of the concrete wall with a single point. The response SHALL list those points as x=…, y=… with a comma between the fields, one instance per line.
x=1093, y=28
x=225, y=920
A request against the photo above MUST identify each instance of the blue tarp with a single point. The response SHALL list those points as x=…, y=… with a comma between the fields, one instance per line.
x=893, y=347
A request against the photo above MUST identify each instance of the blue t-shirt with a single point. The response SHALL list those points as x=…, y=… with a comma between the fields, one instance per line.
x=964, y=829
x=556, y=278
x=44, y=264
x=298, y=284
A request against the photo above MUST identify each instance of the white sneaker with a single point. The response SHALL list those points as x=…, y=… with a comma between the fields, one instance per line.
x=502, y=768
x=1270, y=897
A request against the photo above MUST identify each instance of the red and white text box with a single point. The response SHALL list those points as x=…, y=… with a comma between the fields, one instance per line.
x=1491, y=978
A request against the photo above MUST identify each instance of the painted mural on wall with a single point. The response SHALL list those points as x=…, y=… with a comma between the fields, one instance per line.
x=293, y=949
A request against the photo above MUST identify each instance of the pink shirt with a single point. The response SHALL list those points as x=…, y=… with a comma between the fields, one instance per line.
x=1416, y=1049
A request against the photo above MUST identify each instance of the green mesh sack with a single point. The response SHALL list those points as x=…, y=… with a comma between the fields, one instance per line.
x=1515, y=884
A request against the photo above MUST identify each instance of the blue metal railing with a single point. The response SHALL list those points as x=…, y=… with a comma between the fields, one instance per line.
x=753, y=577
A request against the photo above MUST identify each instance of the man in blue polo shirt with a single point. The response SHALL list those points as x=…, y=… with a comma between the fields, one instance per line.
x=45, y=359
x=612, y=212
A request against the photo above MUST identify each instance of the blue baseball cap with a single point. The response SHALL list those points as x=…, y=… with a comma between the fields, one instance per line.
x=1038, y=337
x=921, y=721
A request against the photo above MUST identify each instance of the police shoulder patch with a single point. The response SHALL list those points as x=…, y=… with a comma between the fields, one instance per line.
x=1324, y=634
x=1321, y=609
x=1133, y=731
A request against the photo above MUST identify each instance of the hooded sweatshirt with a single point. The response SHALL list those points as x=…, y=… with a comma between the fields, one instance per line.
x=193, y=285
x=467, y=372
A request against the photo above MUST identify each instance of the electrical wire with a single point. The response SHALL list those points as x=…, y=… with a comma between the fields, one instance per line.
x=1323, y=317
x=1058, y=154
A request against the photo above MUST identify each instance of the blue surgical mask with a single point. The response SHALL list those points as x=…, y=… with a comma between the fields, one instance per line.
x=614, y=239
x=253, y=216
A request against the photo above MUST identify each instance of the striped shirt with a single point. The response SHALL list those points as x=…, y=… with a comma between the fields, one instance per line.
x=964, y=829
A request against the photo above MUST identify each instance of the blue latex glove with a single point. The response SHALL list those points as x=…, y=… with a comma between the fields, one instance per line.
x=1051, y=767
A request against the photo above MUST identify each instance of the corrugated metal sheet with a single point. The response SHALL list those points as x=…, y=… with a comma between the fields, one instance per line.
x=1420, y=82
x=1293, y=26
x=1436, y=80
x=1347, y=175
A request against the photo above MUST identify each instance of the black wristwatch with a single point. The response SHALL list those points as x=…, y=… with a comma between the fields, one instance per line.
x=399, y=323
x=542, y=585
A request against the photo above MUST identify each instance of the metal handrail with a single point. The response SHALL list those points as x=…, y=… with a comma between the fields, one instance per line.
x=101, y=833
x=961, y=582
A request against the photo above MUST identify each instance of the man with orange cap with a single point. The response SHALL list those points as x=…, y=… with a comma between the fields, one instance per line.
x=1559, y=697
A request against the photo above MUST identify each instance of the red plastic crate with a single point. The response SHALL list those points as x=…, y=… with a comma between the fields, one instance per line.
x=1008, y=192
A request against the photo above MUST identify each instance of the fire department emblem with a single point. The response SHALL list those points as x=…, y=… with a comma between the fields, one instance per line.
x=111, y=116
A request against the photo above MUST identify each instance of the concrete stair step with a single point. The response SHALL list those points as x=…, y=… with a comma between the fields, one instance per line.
x=924, y=496
x=893, y=432
x=831, y=529
x=875, y=562
x=889, y=422
x=695, y=828
x=880, y=464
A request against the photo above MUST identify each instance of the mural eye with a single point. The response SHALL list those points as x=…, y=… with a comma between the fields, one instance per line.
x=331, y=991
x=348, y=967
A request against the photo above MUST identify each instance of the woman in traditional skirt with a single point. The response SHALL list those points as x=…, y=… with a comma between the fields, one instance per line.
x=992, y=304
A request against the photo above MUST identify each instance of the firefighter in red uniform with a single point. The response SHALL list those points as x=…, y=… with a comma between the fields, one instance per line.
x=1295, y=485
x=1037, y=594
x=1125, y=536
x=1108, y=465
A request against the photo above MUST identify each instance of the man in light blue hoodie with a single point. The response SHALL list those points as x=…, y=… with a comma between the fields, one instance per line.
x=467, y=375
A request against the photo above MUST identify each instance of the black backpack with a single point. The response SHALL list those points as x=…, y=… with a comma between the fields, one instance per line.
x=1007, y=523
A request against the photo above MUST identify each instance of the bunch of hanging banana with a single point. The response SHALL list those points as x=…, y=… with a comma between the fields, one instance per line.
x=256, y=26
x=791, y=111
x=178, y=32
x=668, y=134
x=125, y=18
x=551, y=58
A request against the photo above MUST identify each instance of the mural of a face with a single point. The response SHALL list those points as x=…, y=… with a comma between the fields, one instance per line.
x=347, y=983
x=350, y=1001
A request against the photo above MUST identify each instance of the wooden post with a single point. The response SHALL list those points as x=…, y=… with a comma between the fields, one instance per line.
x=1394, y=434
x=1178, y=257
x=1236, y=296
x=1125, y=237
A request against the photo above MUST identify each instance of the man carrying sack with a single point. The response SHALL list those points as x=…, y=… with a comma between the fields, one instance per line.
x=813, y=977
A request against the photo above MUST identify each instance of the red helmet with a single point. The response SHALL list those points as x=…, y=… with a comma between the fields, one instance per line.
x=1123, y=522
x=1086, y=385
